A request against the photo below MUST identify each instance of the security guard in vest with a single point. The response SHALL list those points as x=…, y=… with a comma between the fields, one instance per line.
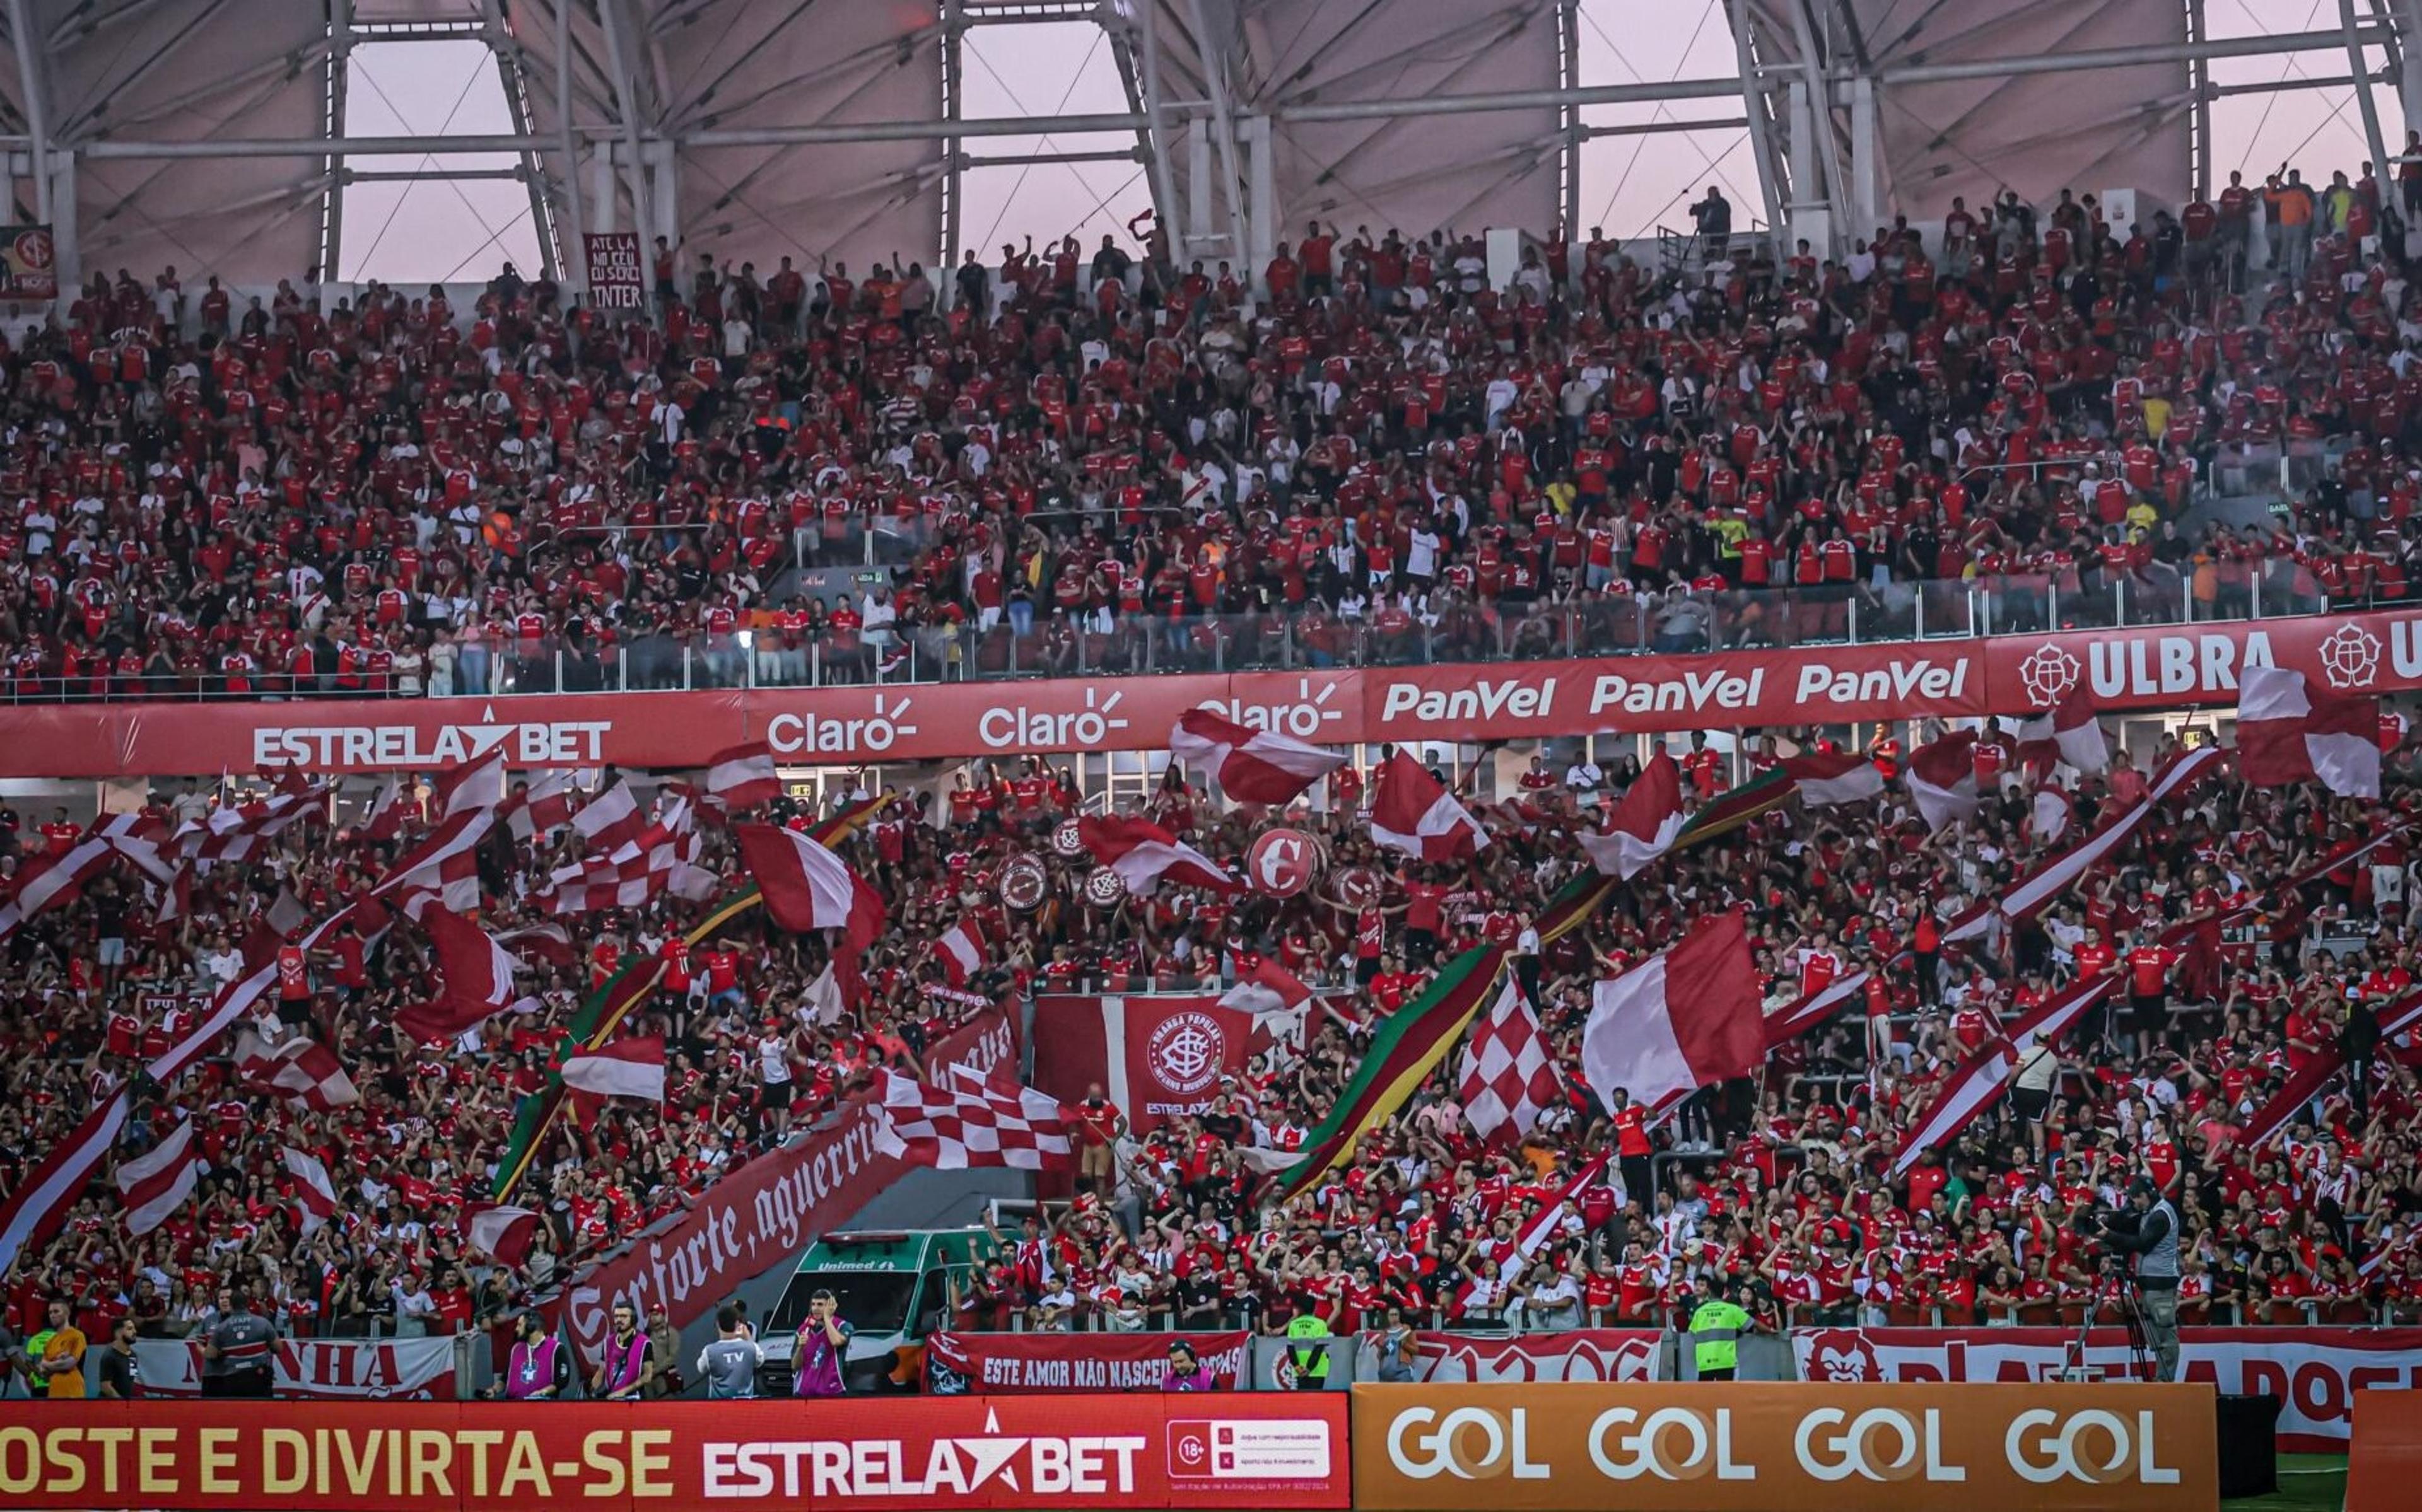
x=1308, y=1351
x=1715, y=1327
x=2150, y=1233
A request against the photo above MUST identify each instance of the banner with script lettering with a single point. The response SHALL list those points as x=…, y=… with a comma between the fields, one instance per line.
x=988, y=1362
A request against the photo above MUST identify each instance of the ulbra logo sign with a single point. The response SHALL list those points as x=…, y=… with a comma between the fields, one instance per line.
x=879, y=731
x=1022, y=726
x=2048, y=672
x=2350, y=657
x=1306, y=717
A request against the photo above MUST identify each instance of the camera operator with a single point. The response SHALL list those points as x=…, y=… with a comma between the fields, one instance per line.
x=2150, y=1233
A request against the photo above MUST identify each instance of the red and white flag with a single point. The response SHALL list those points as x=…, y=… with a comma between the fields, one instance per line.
x=1252, y=766
x=506, y=1233
x=1553, y=1218
x=1507, y=1076
x=301, y=1070
x=742, y=777
x=478, y=784
x=1823, y=778
x=2067, y=732
x=962, y=950
x=628, y=1068
x=1985, y=1075
x=2288, y=732
x=1263, y=987
x=315, y=1196
x=805, y=887
x=1144, y=856
x=1411, y=812
x=1687, y=1018
x=236, y=832
x=476, y=971
x=1941, y=776
x=549, y=943
x=1787, y=1024
x=143, y=839
x=384, y=820
x=611, y=820
x=960, y=1122
x=53, y=881
x=1644, y=824
x=157, y=1182
x=444, y=868
x=544, y=804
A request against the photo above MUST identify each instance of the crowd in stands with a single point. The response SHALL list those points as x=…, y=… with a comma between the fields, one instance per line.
x=1365, y=449
x=378, y=500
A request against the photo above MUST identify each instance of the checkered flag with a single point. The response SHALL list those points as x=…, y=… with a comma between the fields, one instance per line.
x=960, y=1121
x=1507, y=1076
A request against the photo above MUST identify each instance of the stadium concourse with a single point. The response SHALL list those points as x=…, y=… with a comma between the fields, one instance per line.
x=407, y=1065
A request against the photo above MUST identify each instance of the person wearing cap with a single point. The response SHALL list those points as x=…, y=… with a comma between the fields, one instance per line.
x=1716, y=1327
x=2151, y=1235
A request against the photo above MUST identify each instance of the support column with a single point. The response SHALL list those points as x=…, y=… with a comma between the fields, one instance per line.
x=1223, y=125
x=1569, y=36
x=67, y=249
x=33, y=81
x=1864, y=147
x=1262, y=220
x=2199, y=79
x=600, y=189
x=2408, y=77
x=1164, y=182
x=955, y=31
x=1761, y=141
x=575, y=256
x=1198, y=188
x=626, y=105
x=2361, y=72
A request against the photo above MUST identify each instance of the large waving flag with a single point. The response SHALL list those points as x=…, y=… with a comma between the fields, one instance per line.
x=1144, y=856
x=1412, y=812
x=1941, y=776
x=1985, y=1075
x=807, y=887
x=1828, y=777
x=1411, y=1043
x=959, y=1121
x=1685, y=1018
x=478, y=973
x=2067, y=732
x=1508, y=1075
x=742, y=777
x=2287, y=733
x=156, y=1183
x=626, y=1068
x=1252, y=766
x=1644, y=824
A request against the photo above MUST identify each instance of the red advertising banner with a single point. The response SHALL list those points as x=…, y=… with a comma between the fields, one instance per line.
x=765, y=1212
x=1158, y=1056
x=1133, y=1451
x=956, y=1364
x=2315, y=1372
x=2171, y=667
x=328, y=1370
x=29, y=267
x=1578, y=1354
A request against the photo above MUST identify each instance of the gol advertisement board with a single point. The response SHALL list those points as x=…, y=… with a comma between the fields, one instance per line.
x=1755, y=1447
x=1035, y=1454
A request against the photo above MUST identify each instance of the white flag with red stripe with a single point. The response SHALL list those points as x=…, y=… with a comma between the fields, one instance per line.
x=315, y=1196
x=1507, y=1076
x=962, y=950
x=1985, y=1075
x=504, y=1233
x=475, y=970
x=144, y=840
x=444, y=868
x=1644, y=824
x=1412, y=813
x=479, y=784
x=53, y=881
x=384, y=820
x=962, y=1122
x=611, y=820
x=156, y=1183
x=742, y=777
x=807, y=887
x=2067, y=732
x=544, y=804
x=628, y=1068
x=1823, y=778
x=1685, y=1018
x=1941, y=776
x=2288, y=732
x=299, y=1068
x=1252, y=766
x=1144, y=856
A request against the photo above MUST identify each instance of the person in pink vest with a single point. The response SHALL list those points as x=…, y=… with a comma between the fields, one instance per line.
x=820, y=1353
x=623, y=1375
x=539, y=1369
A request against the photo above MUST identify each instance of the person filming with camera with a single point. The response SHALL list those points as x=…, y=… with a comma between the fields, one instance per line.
x=2149, y=1229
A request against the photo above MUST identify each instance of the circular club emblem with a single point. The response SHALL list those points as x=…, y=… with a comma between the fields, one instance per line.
x=1282, y=863
x=1067, y=839
x=1024, y=882
x=1104, y=887
x=2047, y=672
x=1356, y=887
x=32, y=249
x=2350, y=656
x=1187, y=1051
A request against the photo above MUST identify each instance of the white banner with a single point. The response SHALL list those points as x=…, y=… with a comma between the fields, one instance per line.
x=1576, y=1354
x=325, y=1370
x=2315, y=1372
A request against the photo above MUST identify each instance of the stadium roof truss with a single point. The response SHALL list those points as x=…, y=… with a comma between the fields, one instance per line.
x=211, y=133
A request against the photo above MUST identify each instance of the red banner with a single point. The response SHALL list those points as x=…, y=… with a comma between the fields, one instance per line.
x=1009, y=1452
x=764, y=1213
x=2315, y=1372
x=332, y=1370
x=1577, y=1354
x=1158, y=1056
x=2172, y=667
x=956, y=1364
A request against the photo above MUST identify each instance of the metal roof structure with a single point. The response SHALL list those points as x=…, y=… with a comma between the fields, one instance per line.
x=212, y=134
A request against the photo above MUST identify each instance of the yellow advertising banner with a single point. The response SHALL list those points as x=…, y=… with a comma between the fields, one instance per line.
x=1786, y=1447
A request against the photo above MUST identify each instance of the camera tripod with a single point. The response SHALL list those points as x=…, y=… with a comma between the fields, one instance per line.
x=2118, y=1288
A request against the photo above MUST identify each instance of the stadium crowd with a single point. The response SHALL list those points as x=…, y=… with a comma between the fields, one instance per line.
x=374, y=498
x=1364, y=450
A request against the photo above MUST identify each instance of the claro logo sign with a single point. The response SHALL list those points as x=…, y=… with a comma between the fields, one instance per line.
x=1749, y=1447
